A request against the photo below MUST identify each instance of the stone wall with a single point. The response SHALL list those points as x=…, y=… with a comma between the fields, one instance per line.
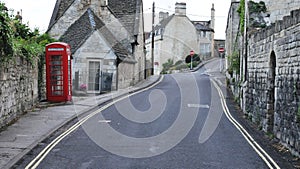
x=231, y=30
x=18, y=89
x=273, y=87
x=280, y=8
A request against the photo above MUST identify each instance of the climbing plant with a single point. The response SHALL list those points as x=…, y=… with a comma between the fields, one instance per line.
x=234, y=61
x=241, y=11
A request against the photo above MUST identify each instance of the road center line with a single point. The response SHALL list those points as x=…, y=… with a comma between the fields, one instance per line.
x=104, y=121
x=205, y=106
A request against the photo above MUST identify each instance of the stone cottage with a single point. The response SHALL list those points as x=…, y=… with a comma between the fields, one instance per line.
x=176, y=35
x=205, y=38
x=106, y=39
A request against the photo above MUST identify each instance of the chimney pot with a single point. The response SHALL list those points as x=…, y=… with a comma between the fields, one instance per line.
x=180, y=9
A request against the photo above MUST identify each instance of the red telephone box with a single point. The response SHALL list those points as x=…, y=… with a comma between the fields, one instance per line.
x=58, y=72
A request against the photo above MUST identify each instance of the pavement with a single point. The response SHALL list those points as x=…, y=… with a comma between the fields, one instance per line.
x=32, y=128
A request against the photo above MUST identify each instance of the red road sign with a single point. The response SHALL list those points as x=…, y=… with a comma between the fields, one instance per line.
x=192, y=52
x=221, y=50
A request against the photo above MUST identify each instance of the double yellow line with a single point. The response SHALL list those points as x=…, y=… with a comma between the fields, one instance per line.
x=260, y=151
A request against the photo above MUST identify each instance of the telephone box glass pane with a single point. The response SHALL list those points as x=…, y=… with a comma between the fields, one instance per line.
x=70, y=76
x=56, y=75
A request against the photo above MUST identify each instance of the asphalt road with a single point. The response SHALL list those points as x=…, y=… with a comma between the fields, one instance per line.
x=180, y=123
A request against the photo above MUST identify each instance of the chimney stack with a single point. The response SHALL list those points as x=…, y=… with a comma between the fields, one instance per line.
x=212, y=24
x=163, y=15
x=180, y=9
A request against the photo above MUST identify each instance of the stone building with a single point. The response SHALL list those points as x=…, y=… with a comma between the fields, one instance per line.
x=176, y=35
x=270, y=75
x=232, y=30
x=106, y=39
x=205, y=38
x=206, y=35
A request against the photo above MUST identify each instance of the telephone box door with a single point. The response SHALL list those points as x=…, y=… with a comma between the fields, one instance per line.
x=58, y=72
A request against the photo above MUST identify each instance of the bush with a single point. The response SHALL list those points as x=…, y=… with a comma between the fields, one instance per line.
x=16, y=39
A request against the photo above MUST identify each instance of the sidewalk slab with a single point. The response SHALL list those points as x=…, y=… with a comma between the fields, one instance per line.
x=32, y=128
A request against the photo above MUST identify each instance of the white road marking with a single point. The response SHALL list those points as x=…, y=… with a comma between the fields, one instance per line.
x=104, y=121
x=198, y=106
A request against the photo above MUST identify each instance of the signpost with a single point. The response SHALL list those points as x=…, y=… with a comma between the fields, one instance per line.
x=191, y=54
x=221, y=50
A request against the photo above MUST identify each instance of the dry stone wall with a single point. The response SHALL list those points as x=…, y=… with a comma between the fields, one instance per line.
x=273, y=87
x=18, y=89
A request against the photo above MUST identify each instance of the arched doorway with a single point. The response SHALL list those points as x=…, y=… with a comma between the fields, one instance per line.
x=271, y=100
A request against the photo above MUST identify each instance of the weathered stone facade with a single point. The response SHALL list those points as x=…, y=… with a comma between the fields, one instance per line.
x=233, y=20
x=18, y=89
x=272, y=95
x=280, y=8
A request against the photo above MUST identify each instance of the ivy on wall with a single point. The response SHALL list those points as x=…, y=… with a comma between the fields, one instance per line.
x=241, y=11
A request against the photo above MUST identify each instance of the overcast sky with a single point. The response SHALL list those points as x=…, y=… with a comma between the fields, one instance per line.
x=37, y=13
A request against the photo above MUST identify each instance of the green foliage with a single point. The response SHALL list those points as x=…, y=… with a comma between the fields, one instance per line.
x=44, y=39
x=17, y=40
x=255, y=7
x=241, y=11
x=6, y=46
x=234, y=63
x=195, y=64
x=167, y=66
x=21, y=30
x=179, y=65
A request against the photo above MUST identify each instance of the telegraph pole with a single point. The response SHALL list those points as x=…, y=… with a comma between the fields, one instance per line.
x=153, y=34
x=245, y=41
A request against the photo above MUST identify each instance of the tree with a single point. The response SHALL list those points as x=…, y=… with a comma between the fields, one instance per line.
x=16, y=38
x=6, y=45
